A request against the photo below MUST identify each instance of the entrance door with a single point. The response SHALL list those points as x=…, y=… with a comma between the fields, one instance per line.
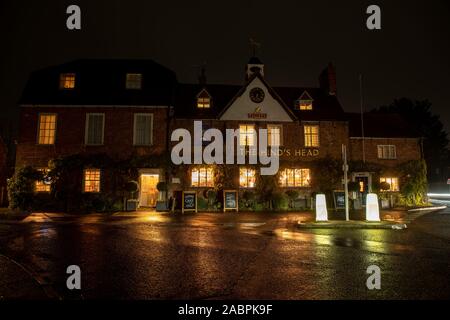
x=363, y=183
x=148, y=193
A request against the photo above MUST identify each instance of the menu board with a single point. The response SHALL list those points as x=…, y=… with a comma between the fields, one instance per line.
x=339, y=199
x=189, y=202
x=230, y=200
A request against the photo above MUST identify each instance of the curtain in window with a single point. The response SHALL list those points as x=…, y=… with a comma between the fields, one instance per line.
x=143, y=129
x=95, y=129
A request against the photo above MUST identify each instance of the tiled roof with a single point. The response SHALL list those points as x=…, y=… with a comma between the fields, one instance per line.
x=101, y=82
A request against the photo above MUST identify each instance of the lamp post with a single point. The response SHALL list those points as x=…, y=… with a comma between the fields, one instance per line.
x=345, y=169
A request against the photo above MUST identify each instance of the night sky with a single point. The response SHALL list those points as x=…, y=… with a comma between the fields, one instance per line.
x=409, y=57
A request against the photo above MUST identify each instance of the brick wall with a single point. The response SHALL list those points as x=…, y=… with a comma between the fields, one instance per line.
x=70, y=133
x=406, y=149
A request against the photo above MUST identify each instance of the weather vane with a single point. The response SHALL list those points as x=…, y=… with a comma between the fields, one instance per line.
x=254, y=46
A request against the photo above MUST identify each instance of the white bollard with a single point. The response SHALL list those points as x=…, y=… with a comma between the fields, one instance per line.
x=321, y=208
x=372, y=209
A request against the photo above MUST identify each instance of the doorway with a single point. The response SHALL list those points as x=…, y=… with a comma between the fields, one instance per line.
x=148, y=193
x=364, y=181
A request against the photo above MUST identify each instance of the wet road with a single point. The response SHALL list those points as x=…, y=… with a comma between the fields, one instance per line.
x=250, y=256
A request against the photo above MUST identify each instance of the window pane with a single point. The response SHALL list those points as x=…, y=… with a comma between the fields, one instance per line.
x=45, y=184
x=134, y=81
x=247, y=178
x=47, y=128
x=95, y=129
x=67, y=81
x=311, y=136
x=202, y=177
x=247, y=135
x=92, y=180
x=143, y=129
x=274, y=135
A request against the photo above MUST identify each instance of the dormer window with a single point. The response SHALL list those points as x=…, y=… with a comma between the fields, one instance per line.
x=305, y=102
x=203, y=100
x=134, y=81
x=67, y=81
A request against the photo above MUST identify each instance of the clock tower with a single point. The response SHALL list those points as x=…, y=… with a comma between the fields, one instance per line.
x=254, y=65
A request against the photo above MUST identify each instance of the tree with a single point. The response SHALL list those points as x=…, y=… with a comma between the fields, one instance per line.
x=429, y=126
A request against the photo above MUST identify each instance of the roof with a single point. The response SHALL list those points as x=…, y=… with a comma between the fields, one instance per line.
x=101, y=82
x=325, y=107
x=381, y=125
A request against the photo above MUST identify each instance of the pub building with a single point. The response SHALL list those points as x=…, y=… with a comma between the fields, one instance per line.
x=115, y=117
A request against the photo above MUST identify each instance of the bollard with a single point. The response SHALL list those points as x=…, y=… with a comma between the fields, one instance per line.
x=372, y=209
x=321, y=208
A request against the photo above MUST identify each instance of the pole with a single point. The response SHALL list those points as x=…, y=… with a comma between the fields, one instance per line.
x=362, y=119
x=345, y=168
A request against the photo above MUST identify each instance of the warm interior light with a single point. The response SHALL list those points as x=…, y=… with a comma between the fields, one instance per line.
x=321, y=208
x=372, y=209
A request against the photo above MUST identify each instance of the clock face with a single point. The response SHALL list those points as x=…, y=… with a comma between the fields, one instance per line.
x=257, y=95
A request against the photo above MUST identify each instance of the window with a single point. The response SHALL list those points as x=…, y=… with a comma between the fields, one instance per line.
x=202, y=177
x=393, y=183
x=387, y=152
x=247, y=134
x=294, y=178
x=311, y=136
x=274, y=135
x=47, y=128
x=91, y=180
x=203, y=103
x=203, y=100
x=304, y=104
x=143, y=129
x=95, y=125
x=44, y=184
x=247, y=178
x=67, y=81
x=134, y=81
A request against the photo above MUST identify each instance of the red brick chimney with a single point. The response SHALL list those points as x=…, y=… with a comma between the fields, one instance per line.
x=327, y=80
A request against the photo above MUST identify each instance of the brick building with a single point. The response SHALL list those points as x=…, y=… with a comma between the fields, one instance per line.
x=118, y=117
x=3, y=172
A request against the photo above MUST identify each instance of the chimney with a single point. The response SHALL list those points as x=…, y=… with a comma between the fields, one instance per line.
x=327, y=80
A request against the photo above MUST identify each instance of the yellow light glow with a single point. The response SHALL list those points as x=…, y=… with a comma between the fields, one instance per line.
x=202, y=177
x=67, y=81
x=47, y=128
x=295, y=178
x=393, y=183
x=203, y=102
x=41, y=185
x=247, y=178
x=311, y=135
x=92, y=180
x=247, y=134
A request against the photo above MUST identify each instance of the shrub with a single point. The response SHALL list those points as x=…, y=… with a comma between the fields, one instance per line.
x=280, y=201
x=248, y=198
x=353, y=186
x=292, y=196
x=21, y=188
x=202, y=204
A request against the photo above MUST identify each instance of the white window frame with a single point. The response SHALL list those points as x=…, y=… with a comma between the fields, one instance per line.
x=281, y=133
x=86, y=130
x=134, y=129
x=127, y=81
x=255, y=135
x=386, y=155
x=39, y=128
x=99, y=180
x=318, y=134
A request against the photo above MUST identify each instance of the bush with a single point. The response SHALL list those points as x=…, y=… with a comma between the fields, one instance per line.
x=248, y=198
x=202, y=204
x=353, y=186
x=21, y=188
x=280, y=201
x=292, y=195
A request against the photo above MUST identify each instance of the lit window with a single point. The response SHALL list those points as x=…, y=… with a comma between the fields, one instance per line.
x=47, y=128
x=203, y=100
x=203, y=103
x=304, y=104
x=143, y=129
x=247, y=178
x=311, y=136
x=95, y=124
x=274, y=135
x=134, y=81
x=92, y=180
x=387, y=152
x=247, y=135
x=294, y=178
x=202, y=177
x=67, y=81
x=44, y=184
x=393, y=183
